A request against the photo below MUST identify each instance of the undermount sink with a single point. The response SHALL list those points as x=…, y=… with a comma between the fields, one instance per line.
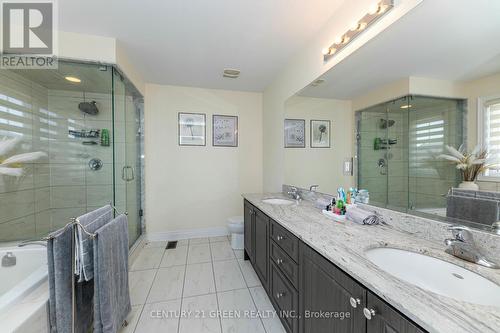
x=436, y=275
x=277, y=201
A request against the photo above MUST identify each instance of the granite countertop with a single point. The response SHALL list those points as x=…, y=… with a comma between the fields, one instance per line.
x=344, y=244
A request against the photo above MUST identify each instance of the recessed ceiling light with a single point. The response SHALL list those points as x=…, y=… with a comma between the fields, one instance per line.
x=406, y=106
x=231, y=73
x=73, y=79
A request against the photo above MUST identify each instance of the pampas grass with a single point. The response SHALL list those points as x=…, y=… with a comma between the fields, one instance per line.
x=12, y=166
x=470, y=164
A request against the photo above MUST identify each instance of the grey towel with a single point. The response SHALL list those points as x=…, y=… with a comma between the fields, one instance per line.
x=360, y=216
x=477, y=210
x=60, y=289
x=84, y=245
x=111, y=297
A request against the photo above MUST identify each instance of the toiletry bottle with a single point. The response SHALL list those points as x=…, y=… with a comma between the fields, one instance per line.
x=105, y=137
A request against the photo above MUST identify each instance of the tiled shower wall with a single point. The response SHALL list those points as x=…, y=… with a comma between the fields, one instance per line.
x=62, y=185
x=393, y=177
x=436, y=123
x=74, y=187
x=25, y=201
x=414, y=177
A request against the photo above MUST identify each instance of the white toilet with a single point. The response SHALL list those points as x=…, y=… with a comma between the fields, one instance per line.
x=236, y=227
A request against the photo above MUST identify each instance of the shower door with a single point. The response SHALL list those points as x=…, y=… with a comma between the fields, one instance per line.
x=127, y=154
x=371, y=155
x=433, y=123
x=396, y=153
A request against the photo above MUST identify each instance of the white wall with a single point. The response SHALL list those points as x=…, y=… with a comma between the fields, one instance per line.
x=382, y=94
x=108, y=50
x=199, y=187
x=304, y=68
x=321, y=166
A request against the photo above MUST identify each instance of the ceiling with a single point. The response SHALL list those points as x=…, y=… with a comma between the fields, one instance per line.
x=454, y=40
x=189, y=43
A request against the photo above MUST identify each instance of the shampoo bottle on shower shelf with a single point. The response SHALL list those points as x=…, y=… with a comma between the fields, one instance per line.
x=105, y=137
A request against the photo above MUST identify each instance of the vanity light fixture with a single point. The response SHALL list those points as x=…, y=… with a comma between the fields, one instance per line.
x=375, y=12
x=73, y=79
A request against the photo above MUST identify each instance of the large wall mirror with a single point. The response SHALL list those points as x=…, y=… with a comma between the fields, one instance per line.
x=393, y=107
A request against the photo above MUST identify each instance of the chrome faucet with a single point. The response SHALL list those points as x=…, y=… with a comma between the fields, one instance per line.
x=462, y=246
x=9, y=260
x=294, y=193
x=495, y=227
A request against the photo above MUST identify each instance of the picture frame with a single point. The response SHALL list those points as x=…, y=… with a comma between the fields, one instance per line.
x=295, y=133
x=320, y=133
x=192, y=129
x=224, y=131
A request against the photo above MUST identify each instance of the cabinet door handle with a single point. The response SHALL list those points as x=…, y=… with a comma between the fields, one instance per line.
x=279, y=261
x=280, y=238
x=354, y=302
x=369, y=313
x=279, y=295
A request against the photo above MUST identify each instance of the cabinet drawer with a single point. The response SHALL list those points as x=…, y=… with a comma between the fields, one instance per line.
x=286, y=240
x=286, y=299
x=287, y=266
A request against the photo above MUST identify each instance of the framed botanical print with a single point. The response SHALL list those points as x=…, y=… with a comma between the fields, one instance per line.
x=320, y=133
x=192, y=129
x=295, y=134
x=224, y=131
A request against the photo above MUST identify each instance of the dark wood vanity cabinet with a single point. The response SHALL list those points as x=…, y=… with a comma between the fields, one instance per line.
x=309, y=293
x=325, y=297
x=386, y=319
x=261, y=249
x=249, y=231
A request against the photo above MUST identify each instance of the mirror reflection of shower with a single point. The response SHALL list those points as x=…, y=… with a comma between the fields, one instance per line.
x=396, y=148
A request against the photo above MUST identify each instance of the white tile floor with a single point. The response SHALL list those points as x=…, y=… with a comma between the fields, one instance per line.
x=202, y=286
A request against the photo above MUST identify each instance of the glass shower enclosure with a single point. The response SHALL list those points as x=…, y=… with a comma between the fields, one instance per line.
x=397, y=147
x=87, y=119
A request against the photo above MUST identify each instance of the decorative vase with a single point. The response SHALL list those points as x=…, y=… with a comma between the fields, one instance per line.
x=466, y=185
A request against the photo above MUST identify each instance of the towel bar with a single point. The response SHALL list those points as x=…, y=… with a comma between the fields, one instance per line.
x=75, y=222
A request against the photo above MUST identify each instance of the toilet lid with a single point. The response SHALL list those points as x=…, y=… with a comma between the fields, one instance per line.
x=235, y=220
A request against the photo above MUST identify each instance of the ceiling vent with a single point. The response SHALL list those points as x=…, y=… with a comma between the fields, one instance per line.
x=317, y=82
x=231, y=73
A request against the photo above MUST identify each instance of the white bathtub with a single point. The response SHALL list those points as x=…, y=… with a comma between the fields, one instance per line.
x=18, y=281
x=24, y=290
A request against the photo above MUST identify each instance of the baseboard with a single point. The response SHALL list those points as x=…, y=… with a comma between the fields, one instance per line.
x=136, y=248
x=186, y=234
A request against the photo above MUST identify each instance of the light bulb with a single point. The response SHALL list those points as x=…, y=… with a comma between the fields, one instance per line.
x=345, y=39
x=362, y=26
x=73, y=79
x=328, y=51
x=338, y=40
x=382, y=9
x=354, y=26
x=373, y=9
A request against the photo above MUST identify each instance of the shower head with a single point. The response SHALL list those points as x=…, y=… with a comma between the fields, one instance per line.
x=89, y=107
x=385, y=123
